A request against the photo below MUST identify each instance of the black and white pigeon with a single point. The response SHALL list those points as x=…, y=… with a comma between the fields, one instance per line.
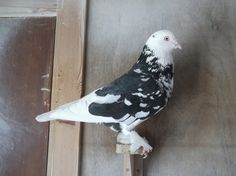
x=131, y=99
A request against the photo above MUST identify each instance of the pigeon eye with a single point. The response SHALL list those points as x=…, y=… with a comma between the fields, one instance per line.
x=166, y=38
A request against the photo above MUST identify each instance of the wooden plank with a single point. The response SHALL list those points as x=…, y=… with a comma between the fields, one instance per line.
x=45, y=4
x=128, y=165
x=26, y=47
x=22, y=8
x=64, y=141
x=125, y=149
x=138, y=166
x=133, y=165
x=26, y=12
x=133, y=162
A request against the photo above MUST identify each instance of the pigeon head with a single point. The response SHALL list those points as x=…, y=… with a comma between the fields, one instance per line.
x=163, y=41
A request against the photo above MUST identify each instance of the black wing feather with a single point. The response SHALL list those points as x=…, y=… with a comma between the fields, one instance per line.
x=126, y=86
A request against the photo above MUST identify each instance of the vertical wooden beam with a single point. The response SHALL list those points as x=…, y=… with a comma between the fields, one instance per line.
x=133, y=165
x=64, y=138
x=138, y=165
x=133, y=162
x=128, y=165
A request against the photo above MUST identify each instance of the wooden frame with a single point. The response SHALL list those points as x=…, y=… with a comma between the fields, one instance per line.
x=23, y=8
x=64, y=138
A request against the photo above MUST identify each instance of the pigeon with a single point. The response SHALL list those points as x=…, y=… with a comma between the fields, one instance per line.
x=130, y=99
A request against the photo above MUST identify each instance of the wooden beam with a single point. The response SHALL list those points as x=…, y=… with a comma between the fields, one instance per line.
x=22, y=8
x=128, y=165
x=133, y=165
x=26, y=12
x=133, y=162
x=64, y=138
x=138, y=166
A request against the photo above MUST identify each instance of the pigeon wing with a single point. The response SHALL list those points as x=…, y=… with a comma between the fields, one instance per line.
x=79, y=111
x=119, y=101
x=136, y=99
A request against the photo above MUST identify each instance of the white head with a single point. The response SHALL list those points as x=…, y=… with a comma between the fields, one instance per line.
x=163, y=41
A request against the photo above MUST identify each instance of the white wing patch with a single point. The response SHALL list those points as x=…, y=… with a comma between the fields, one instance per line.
x=124, y=117
x=137, y=70
x=140, y=89
x=145, y=79
x=150, y=58
x=142, y=105
x=141, y=114
x=127, y=102
x=156, y=107
x=140, y=95
x=102, y=99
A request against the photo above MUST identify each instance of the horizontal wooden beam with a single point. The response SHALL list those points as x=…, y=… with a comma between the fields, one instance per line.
x=22, y=8
x=25, y=12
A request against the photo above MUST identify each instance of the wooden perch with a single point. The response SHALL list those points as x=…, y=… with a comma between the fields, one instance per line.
x=124, y=149
x=133, y=162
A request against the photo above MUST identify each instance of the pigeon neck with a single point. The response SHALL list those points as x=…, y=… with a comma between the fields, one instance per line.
x=153, y=63
x=155, y=57
x=164, y=58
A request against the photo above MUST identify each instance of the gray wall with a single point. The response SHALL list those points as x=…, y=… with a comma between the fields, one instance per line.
x=196, y=134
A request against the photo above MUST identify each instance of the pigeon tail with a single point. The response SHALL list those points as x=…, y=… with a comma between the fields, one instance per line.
x=74, y=111
x=60, y=114
x=44, y=117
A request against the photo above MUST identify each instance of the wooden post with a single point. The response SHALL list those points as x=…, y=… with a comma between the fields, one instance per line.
x=133, y=165
x=128, y=165
x=138, y=166
x=64, y=138
x=133, y=162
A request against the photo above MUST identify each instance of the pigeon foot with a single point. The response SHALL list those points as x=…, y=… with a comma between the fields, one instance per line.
x=137, y=143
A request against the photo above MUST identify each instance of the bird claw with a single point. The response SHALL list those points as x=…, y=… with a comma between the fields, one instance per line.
x=141, y=146
x=142, y=150
x=144, y=153
x=145, y=150
x=138, y=144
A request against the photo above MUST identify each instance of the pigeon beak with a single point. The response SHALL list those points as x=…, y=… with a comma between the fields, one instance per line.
x=177, y=45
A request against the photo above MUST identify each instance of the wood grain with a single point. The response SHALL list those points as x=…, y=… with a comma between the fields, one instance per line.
x=133, y=165
x=133, y=162
x=138, y=166
x=20, y=8
x=195, y=134
x=49, y=4
x=128, y=168
x=64, y=143
x=26, y=55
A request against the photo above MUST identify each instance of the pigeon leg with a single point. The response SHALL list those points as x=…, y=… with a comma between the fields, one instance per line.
x=123, y=138
x=136, y=143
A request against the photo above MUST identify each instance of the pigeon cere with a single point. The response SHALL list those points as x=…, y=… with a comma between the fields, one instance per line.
x=130, y=99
